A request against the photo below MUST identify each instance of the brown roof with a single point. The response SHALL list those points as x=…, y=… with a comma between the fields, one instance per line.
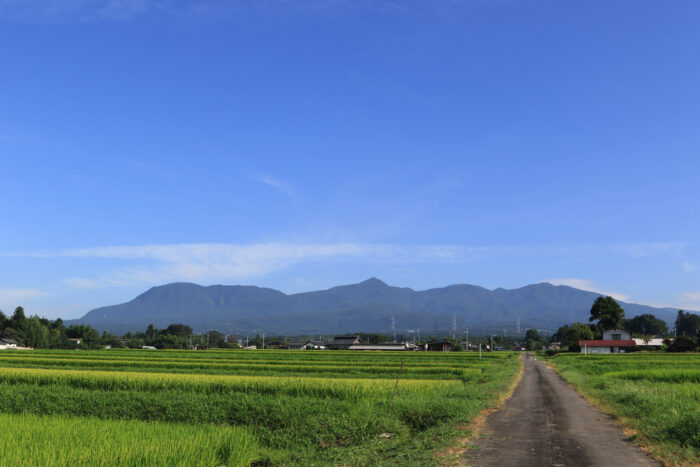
x=607, y=343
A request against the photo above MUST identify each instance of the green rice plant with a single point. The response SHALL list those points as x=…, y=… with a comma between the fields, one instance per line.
x=305, y=408
x=36, y=440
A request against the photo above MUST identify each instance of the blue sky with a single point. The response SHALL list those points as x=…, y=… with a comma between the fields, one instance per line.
x=301, y=145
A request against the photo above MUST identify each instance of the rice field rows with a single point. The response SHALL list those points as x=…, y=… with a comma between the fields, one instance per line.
x=656, y=396
x=240, y=407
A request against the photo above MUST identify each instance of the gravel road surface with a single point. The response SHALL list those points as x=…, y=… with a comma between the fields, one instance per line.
x=547, y=423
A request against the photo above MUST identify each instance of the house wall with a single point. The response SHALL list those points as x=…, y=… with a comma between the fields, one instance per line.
x=624, y=335
x=595, y=349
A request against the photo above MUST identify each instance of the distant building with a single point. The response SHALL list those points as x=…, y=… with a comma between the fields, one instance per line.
x=387, y=346
x=8, y=344
x=613, y=341
x=308, y=345
x=653, y=342
x=343, y=342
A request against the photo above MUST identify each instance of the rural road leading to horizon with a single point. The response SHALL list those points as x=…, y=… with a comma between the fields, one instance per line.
x=546, y=422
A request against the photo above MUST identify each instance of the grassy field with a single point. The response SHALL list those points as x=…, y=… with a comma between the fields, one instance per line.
x=655, y=395
x=125, y=407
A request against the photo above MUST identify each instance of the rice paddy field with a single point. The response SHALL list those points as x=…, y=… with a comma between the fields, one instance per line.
x=655, y=395
x=239, y=408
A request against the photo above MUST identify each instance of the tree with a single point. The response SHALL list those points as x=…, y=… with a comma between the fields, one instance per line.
x=646, y=324
x=570, y=335
x=36, y=335
x=683, y=344
x=607, y=312
x=533, y=339
x=687, y=324
x=19, y=320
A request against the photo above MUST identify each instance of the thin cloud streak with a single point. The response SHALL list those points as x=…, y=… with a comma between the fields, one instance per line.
x=218, y=261
x=273, y=182
x=13, y=297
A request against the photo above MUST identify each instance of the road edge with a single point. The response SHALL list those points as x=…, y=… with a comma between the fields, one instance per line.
x=452, y=455
x=627, y=430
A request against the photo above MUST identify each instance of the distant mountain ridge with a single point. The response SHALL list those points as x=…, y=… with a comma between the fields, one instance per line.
x=364, y=307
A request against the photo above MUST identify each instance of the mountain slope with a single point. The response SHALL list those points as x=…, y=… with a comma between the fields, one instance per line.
x=367, y=306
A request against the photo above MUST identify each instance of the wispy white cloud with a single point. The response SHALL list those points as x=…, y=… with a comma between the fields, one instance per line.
x=15, y=297
x=638, y=250
x=222, y=261
x=284, y=188
x=691, y=298
x=585, y=284
x=76, y=10
x=687, y=267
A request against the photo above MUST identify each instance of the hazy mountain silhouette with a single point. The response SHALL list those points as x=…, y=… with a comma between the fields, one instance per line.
x=367, y=306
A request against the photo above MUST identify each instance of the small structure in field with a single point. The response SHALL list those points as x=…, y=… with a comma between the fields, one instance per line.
x=613, y=341
x=439, y=346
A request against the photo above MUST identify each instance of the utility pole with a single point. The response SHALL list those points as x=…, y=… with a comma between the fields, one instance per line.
x=263, y=343
x=479, y=350
x=517, y=326
x=393, y=327
x=467, y=337
x=492, y=343
x=454, y=325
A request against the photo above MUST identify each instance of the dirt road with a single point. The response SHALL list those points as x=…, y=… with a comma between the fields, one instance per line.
x=547, y=422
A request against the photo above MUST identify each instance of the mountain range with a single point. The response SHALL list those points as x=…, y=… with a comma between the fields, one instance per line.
x=368, y=306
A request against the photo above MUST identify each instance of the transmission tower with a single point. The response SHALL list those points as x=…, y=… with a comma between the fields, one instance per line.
x=517, y=325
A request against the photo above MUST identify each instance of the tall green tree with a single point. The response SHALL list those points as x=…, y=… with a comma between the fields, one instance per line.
x=646, y=324
x=607, y=312
x=687, y=324
x=19, y=320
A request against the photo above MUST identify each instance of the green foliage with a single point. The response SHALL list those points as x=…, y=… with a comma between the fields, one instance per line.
x=646, y=324
x=684, y=344
x=687, y=324
x=569, y=336
x=35, y=332
x=607, y=312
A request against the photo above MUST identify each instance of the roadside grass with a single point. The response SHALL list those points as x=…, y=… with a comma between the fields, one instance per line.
x=655, y=396
x=307, y=419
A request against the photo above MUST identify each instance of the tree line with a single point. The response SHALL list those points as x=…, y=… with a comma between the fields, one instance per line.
x=606, y=314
